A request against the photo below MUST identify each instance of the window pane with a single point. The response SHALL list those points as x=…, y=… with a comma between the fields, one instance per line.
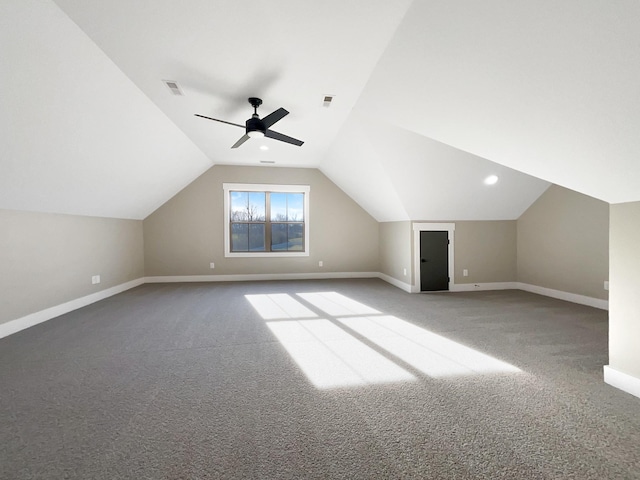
x=295, y=207
x=287, y=237
x=239, y=237
x=279, y=236
x=251, y=223
x=239, y=204
x=256, y=209
x=278, y=207
x=295, y=236
x=256, y=237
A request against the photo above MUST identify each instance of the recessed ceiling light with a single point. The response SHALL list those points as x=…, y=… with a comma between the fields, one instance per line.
x=264, y=147
x=491, y=180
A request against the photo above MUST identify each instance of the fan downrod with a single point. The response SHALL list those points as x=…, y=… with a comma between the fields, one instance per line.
x=255, y=103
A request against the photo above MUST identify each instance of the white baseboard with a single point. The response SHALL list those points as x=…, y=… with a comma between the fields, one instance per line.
x=623, y=381
x=258, y=277
x=395, y=282
x=14, y=326
x=474, y=287
x=548, y=292
x=569, y=297
x=35, y=318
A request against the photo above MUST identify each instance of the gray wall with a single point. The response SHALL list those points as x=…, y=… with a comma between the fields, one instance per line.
x=48, y=259
x=184, y=235
x=395, y=250
x=563, y=243
x=624, y=302
x=487, y=250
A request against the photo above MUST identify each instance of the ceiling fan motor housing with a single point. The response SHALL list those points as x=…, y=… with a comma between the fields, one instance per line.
x=254, y=124
x=255, y=127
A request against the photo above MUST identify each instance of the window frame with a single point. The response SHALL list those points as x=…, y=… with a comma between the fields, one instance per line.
x=268, y=188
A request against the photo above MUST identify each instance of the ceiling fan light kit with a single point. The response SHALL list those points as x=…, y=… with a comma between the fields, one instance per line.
x=257, y=128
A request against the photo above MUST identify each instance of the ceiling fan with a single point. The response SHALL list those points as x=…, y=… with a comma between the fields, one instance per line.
x=255, y=127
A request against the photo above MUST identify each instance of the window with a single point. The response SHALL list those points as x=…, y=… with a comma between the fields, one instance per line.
x=266, y=220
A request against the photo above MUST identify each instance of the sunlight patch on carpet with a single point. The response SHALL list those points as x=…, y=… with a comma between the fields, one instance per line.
x=335, y=304
x=357, y=345
x=331, y=358
x=279, y=305
x=432, y=354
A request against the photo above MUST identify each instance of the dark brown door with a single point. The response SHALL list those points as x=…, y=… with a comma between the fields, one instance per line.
x=434, y=261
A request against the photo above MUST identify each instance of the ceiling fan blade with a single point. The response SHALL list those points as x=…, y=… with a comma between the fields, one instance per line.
x=221, y=121
x=243, y=139
x=274, y=117
x=282, y=138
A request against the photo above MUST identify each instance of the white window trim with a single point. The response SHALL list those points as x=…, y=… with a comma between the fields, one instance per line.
x=258, y=187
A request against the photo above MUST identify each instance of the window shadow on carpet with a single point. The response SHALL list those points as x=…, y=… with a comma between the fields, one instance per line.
x=339, y=342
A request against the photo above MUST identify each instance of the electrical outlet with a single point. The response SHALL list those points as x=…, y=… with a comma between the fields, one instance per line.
x=465, y=273
x=404, y=271
x=320, y=264
x=95, y=279
x=212, y=265
x=606, y=285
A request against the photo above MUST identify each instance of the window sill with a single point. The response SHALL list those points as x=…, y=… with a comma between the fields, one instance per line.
x=265, y=254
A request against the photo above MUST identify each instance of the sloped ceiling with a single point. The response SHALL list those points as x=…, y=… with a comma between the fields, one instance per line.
x=76, y=136
x=425, y=179
x=287, y=52
x=431, y=97
x=548, y=88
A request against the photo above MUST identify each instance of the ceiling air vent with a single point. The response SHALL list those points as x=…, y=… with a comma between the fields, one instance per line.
x=174, y=87
x=326, y=101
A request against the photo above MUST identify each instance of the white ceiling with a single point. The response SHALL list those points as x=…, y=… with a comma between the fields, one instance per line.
x=423, y=180
x=76, y=136
x=430, y=98
x=545, y=87
x=287, y=52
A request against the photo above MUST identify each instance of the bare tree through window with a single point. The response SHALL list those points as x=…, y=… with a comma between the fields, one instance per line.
x=266, y=221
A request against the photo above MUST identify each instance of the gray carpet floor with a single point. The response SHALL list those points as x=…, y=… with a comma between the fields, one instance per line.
x=188, y=381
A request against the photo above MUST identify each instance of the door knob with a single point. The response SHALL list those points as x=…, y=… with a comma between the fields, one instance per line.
x=423, y=260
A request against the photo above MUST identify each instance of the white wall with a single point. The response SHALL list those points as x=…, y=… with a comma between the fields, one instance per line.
x=624, y=300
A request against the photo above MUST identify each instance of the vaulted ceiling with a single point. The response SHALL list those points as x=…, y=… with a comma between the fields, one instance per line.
x=430, y=98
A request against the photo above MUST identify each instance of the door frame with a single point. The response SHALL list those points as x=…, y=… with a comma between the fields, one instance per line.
x=431, y=227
